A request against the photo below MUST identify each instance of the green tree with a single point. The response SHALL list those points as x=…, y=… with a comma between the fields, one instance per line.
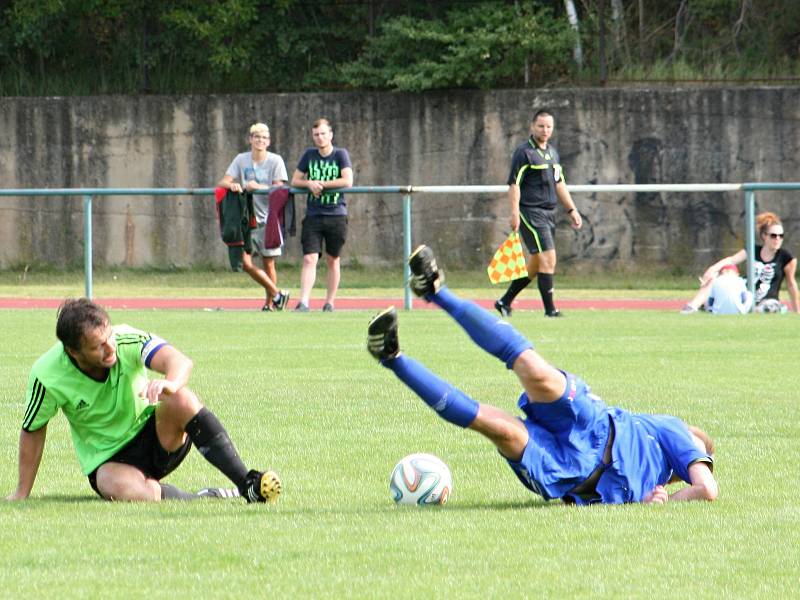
x=485, y=45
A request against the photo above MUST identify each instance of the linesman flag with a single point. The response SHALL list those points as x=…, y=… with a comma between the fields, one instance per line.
x=508, y=263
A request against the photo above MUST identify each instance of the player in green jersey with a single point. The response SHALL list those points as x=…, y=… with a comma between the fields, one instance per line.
x=129, y=432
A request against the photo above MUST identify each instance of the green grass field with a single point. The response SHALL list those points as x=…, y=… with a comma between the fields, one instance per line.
x=300, y=394
x=356, y=282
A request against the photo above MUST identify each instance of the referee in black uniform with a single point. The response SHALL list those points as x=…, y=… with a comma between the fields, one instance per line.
x=535, y=182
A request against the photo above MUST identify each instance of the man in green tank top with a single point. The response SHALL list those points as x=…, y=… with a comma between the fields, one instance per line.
x=129, y=431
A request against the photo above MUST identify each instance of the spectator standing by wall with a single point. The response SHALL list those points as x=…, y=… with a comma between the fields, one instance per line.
x=324, y=167
x=259, y=169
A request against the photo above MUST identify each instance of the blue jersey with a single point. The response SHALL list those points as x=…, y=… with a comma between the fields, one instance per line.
x=568, y=438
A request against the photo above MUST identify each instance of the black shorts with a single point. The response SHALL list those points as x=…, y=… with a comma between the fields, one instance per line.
x=331, y=228
x=538, y=228
x=146, y=454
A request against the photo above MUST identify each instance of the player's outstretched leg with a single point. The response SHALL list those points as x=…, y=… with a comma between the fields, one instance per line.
x=449, y=402
x=213, y=442
x=494, y=336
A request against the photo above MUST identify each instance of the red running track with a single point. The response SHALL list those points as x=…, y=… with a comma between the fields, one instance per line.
x=341, y=303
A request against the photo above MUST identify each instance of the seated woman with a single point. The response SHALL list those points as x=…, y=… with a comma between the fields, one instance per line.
x=773, y=264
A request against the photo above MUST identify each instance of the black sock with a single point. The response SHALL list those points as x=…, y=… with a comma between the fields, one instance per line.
x=210, y=438
x=170, y=492
x=545, y=281
x=514, y=289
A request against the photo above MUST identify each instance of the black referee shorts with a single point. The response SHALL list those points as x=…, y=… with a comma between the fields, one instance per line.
x=538, y=229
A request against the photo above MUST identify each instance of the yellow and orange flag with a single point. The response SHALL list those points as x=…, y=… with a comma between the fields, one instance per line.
x=508, y=263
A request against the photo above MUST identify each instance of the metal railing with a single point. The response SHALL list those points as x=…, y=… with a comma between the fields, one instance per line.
x=407, y=191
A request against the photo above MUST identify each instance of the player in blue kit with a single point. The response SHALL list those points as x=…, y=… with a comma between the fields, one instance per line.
x=570, y=445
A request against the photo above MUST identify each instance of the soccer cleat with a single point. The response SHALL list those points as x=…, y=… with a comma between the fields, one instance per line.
x=327, y=307
x=216, y=492
x=503, y=308
x=300, y=307
x=426, y=276
x=281, y=300
x=382, y=341
x=267, y=307
x=262, y=487
x=553, y=314
x=688, y=309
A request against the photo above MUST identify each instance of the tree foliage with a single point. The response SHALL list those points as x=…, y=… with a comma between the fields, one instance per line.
x=484, y=46
x=194, y=46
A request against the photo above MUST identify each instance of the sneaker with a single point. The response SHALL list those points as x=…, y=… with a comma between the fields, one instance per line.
x=427, y=278
x=281, y=300
x=688, y=309
x=327, y=307
x=382, y=340
x=262, y=487
x=300, y=307
x=267, y=307
x=553, y=314
x=215, y=492
x=503, y=308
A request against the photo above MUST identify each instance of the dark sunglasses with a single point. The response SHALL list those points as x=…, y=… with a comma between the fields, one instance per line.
x=776, y=236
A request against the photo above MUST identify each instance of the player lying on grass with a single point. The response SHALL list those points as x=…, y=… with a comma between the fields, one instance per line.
x=570, y=445
x=128, y=432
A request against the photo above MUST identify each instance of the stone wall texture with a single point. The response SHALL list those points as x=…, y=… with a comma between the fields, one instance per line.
x=660, y=135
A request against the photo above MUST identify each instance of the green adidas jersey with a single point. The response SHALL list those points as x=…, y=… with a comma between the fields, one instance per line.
x=103, y=416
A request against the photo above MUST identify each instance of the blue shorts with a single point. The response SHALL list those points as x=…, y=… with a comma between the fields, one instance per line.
x=567, y=440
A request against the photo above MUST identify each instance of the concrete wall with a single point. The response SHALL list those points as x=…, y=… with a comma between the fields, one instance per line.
x=455, y=137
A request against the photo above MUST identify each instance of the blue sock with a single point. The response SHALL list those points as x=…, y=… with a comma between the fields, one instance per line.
x=495, y=336
x=452, y=404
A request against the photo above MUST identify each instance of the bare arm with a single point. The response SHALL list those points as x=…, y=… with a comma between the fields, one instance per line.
x=229, y=183
x=254, y=185
x=703, y=485
x=712, y=271
x=31, y=448
x=176, y=368
x=300, y=180
x=513, y=201
x=566, y=200
x=345, y=180
x=791, y=284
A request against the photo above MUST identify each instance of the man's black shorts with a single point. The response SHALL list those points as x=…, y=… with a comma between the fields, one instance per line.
x=146, y=454
x=538, y=228
x=330, y=228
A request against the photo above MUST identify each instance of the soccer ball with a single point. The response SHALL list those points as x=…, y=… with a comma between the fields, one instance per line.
x=770, y=305
x=421, y=479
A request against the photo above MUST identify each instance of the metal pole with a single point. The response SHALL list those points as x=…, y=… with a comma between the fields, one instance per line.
x=406, y=250
x=87, y=244
x=750, y=242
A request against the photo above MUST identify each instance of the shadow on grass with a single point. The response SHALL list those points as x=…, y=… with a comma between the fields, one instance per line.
x=56, y=499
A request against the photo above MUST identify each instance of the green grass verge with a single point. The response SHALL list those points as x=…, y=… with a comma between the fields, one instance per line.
x=356, y=282
x=300, y=394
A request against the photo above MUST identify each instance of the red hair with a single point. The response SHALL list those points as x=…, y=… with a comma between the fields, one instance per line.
x=766, y=220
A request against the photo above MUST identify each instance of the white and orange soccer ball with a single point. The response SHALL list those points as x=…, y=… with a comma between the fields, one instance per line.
x=421, y=479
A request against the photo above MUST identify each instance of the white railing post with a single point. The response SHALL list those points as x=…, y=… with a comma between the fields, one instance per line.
x=87, y=245
x=407, y=300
